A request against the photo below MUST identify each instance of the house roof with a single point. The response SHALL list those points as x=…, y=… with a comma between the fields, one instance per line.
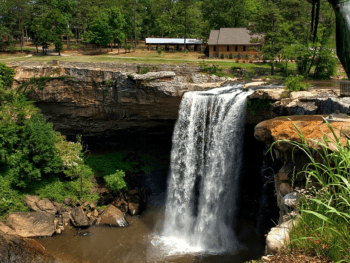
x=170, y=41
x=231, y=36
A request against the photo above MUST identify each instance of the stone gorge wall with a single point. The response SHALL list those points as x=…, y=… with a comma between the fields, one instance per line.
x=102, y=98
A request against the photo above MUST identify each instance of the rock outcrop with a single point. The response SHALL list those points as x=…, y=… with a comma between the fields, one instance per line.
x=278, y=131
x=16, y=249
x=96, y=98
x=32, y=224
x=112, y=216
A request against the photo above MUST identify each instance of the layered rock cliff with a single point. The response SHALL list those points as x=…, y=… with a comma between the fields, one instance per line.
x=94, y=99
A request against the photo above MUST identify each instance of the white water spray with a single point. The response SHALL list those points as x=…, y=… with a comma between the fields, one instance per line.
x=206, y=160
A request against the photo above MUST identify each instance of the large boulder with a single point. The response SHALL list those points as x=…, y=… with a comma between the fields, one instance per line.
x=112, y=216
x=45, y=205
x=6, y=229
x=294, y=107
x=78, y=217
x=31, y=224
x=16, y=249
x=330, y=105
x=312, y=127
x=278, y=237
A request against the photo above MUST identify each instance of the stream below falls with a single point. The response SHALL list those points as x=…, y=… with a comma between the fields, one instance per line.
x=145, y=239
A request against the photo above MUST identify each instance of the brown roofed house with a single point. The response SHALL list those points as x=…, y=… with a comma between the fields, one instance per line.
x=232, y=40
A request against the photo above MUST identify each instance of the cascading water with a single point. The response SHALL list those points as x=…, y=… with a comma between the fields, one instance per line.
x=206, y=161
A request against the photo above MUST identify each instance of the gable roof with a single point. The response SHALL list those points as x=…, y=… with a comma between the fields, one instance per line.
x=231, y=36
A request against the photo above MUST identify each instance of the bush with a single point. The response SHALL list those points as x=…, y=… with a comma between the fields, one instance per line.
x=294, y=83
x=30, y=150
x=256, y=106
x=145, y=70
x=222, y=56
x=186, y=51
x=115, y=181
x=326, y=66
x=239, y=56
x=159, y=51
x=231, y=56
x=247, y=56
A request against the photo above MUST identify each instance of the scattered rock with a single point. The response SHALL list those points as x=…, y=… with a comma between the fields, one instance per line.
x=45, y=205
x=31, y=224
x=16, y=249
x=68, y=201
x=92, y=206
x=78, y=217
x=6, y=229
x=112, y=216
x=268, y=94
x=58, y=206
x=134, y=205
x=31, y=200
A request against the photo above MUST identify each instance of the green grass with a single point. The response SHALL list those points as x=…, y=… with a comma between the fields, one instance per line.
x=324, y=226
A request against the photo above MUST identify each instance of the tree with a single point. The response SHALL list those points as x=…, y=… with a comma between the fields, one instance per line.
x=116, y=23
x=99, y=32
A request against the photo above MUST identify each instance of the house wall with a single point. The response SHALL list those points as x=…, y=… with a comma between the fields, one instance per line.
x=223, y=50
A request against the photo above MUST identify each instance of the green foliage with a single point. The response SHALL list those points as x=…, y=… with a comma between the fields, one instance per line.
x=159, y=51
x=213, y=69
x=222, y=56
x=107, y=164
x=186, y=51
x=230, y=56
x=247, y=56
x=257, y=106
x=145, y=70
x=6, y=76
x=115, y=181
x=294, y=83
x=325, y=209
x=29, y=149
x=239, y=56
x=109, y=82
x=326, y=64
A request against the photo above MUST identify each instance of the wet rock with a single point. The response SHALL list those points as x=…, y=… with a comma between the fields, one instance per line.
x=112, y=216
x=291, y=200
x=78, y=217
x=122, y=205
x=68, y=201
x=45, y=205
x=268, y=94
x=31, y=224
x=66, y=218
x=16, y=249
x=31, y=201
x=134, y=205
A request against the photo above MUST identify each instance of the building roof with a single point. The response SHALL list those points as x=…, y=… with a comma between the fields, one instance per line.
x=181, y=41
x=231, y=36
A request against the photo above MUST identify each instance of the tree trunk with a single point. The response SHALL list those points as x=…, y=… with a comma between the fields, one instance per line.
x=27, y=35
x=76, y=36
x=22, y=40
x=36, y=45
x=118, y=49
x=68, y=41
x=135, y=45
x=100, y=48
x=272, y=67
x=287, y=67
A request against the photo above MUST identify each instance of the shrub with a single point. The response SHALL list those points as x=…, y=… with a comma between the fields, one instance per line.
x=109, y=82
x=239, y=56
x=247, y=56
x=256, y=106
x=326, y=65
x=294, y=83
x=231, y=56
x=145, y=70
x=138, y=69
x=115, y=181
x=222, y=56
x=159, y=51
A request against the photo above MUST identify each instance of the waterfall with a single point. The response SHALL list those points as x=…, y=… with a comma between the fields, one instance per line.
x=206, y=161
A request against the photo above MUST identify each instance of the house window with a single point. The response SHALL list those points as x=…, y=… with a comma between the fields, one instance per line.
x=243, y=48
x=228, y=48
x=214, y=48
x=236, y=48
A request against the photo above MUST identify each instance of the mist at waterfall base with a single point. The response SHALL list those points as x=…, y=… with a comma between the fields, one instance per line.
x=206, y=162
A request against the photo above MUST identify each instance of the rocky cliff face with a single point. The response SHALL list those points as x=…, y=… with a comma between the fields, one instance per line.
x=87, y=99
x=289, y=178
